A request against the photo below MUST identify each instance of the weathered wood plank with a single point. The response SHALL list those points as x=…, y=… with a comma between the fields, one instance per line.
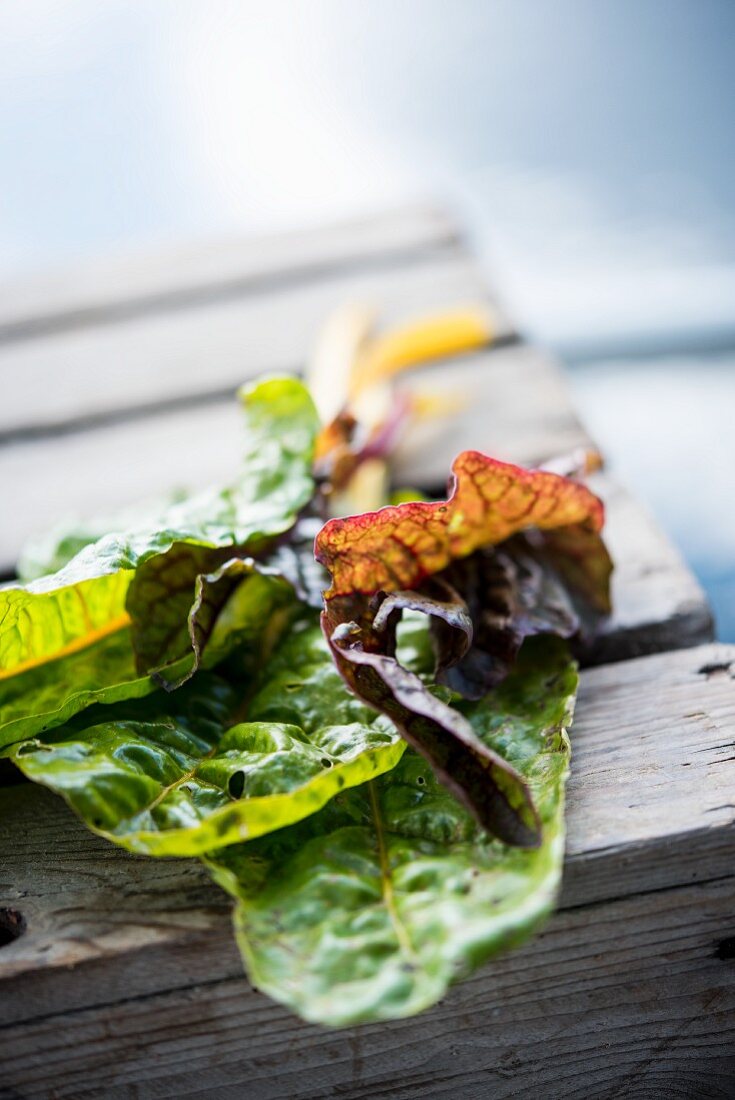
x=109, y=289
x=114, y=465
x=658, y=604
x=618, y=1000
x=210, y=348
x=651, y=801
x=625, y=985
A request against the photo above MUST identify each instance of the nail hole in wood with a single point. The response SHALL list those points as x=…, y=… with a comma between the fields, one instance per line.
x=726, y=948
x=716, y=668
x=12, y=925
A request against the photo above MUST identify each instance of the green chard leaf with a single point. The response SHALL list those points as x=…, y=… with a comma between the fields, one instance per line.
x=371, y=908
x=155, y=575
x=53, y=549
x=47, y=695
x=179, y=774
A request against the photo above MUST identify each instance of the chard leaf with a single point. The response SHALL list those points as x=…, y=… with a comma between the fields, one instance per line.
x=179, y=775
x=49, y=694
x=399, y=546
x=371, y=908
x=445, y=607
x=57, y=616
x=510, y=593
x=55, y=548
x=293, y=559
x=492, y=790
x=175, y=608
x=176, y=597
x=171, y=609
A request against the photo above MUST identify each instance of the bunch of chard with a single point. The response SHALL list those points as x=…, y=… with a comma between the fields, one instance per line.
x=357, y=721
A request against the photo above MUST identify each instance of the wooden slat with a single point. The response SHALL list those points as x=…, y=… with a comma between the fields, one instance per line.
x=512, y=403
x=177, y=356
x=178, y=276
x=626, y=986
x=613, y=1001
x=113, y=465
x=658, y=604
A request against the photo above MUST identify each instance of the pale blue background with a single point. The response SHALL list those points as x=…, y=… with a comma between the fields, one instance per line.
x=588, y=142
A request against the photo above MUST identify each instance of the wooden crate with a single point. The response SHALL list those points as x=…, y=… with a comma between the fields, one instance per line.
x=126, y=982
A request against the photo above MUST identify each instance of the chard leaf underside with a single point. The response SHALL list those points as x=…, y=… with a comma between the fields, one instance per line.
x=371, y=908
x=510, y=593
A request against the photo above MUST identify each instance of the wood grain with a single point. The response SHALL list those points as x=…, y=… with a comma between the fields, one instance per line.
x=616, y=1001
x=131, y=961
x=179, y=276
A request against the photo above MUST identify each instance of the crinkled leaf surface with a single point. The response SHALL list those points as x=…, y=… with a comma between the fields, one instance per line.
x=56, y=616
x=371, y=908
x=178, y=774
x=398, y=546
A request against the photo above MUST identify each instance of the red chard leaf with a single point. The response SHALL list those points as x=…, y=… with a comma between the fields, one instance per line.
x=511, y=553
x=451, y=614
x=398, y=547
x=511, y=594
x=481, y=780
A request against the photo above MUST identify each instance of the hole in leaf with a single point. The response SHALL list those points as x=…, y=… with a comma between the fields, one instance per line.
x=236, y=784
x=12, y=925
x=420, y=780
x=326, y=762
